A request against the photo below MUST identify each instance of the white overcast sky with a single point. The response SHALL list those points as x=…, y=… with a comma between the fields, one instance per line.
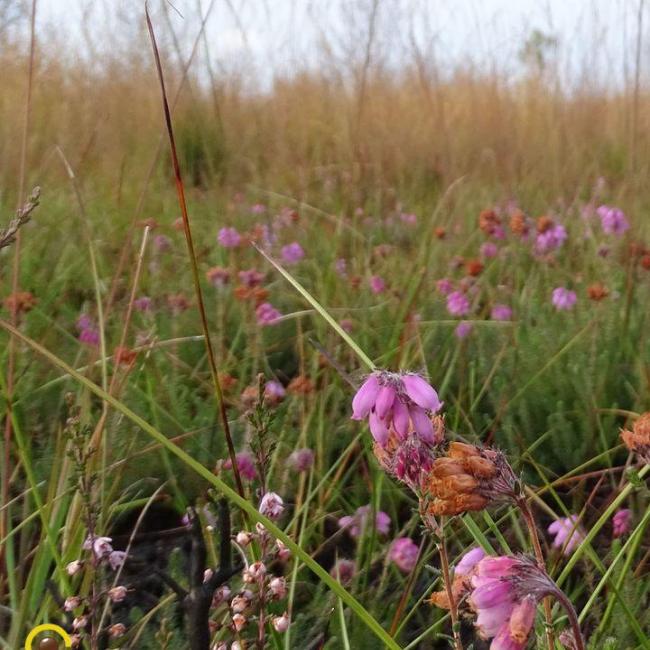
x=280, y=35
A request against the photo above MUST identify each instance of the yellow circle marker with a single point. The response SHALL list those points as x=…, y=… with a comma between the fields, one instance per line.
x=48, y=627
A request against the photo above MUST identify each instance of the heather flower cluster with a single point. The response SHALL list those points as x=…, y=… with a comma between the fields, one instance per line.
x=357, y=524
x=399, y=403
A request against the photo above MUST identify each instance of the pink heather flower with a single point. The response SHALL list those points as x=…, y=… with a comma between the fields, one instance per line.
x=258, y=208
x=74, y=567
x=271, y=505
x=100, y=546
x=162, y=243
x=267, y=314
x=280, y=623
x=89, y=337
x=463, y=329
x=71, y=603
x=408, y=218
x=347, y=325
x=245, y=465
x=501, y=312
x=401, y=401
x=84, y=322
x=621, y=522
x=341, y=266
x=292, y=253
x=229, y=237
x=251, y=278
x=498, y=232
x=551, y=239
x=567, y=533
x=116, y=559
x=117, y=594
x=256, y=572
x=404, y=553
x=356, y=523
x=277, y=588
x=274, y=391
x=505, y=593
x=142, y=304
x=457, y=304
x=218, y=276
x=301, y=460
x=563, y=299
x=343, y=571
x=444, y=286
x=469, y=560
x=489, y=249
x=377, y=284
x=612, y=220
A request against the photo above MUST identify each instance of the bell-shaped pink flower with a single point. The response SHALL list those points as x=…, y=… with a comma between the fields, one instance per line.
x=399, y=403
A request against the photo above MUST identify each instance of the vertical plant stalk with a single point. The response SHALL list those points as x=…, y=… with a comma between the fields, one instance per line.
x=180, y=190
x=15, y=279
x=541, y=562
x=446, y=576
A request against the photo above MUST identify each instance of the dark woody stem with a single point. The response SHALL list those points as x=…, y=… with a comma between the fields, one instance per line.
x=527, y=514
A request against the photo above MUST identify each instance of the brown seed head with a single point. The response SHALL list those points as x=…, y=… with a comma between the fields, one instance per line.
x=544, y=223
x=597, y=291
x=474, y=268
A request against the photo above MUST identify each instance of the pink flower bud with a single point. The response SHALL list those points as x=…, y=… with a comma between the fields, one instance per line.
x=73, y=568
x=271, y=505
x=243, y=538
x=117, y=630
x=72, y=602
x=239, y=621
x=117, y=594
x=277, y=588
x=280, y=623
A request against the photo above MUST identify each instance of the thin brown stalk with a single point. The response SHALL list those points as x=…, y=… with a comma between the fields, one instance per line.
x=180, y=190
x=15, y=281
x=453, y=605
x=527, y=514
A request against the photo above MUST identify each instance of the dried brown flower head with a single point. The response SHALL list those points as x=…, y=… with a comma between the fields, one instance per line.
x=488, y=220
x=469, y=478
x=597, y=291
x=519, y=224
x=301, y=385
x=20, y=302
x=474, y=268
x=638, y=440
x=544, y=223
x=440, y=232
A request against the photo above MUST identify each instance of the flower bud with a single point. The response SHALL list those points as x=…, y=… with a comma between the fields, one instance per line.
x=72, y=602
x=117, y=594
x=280, y=623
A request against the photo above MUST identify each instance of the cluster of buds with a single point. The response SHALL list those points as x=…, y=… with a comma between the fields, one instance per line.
x=469, y=478
x=411, y=458
x=638, y=440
